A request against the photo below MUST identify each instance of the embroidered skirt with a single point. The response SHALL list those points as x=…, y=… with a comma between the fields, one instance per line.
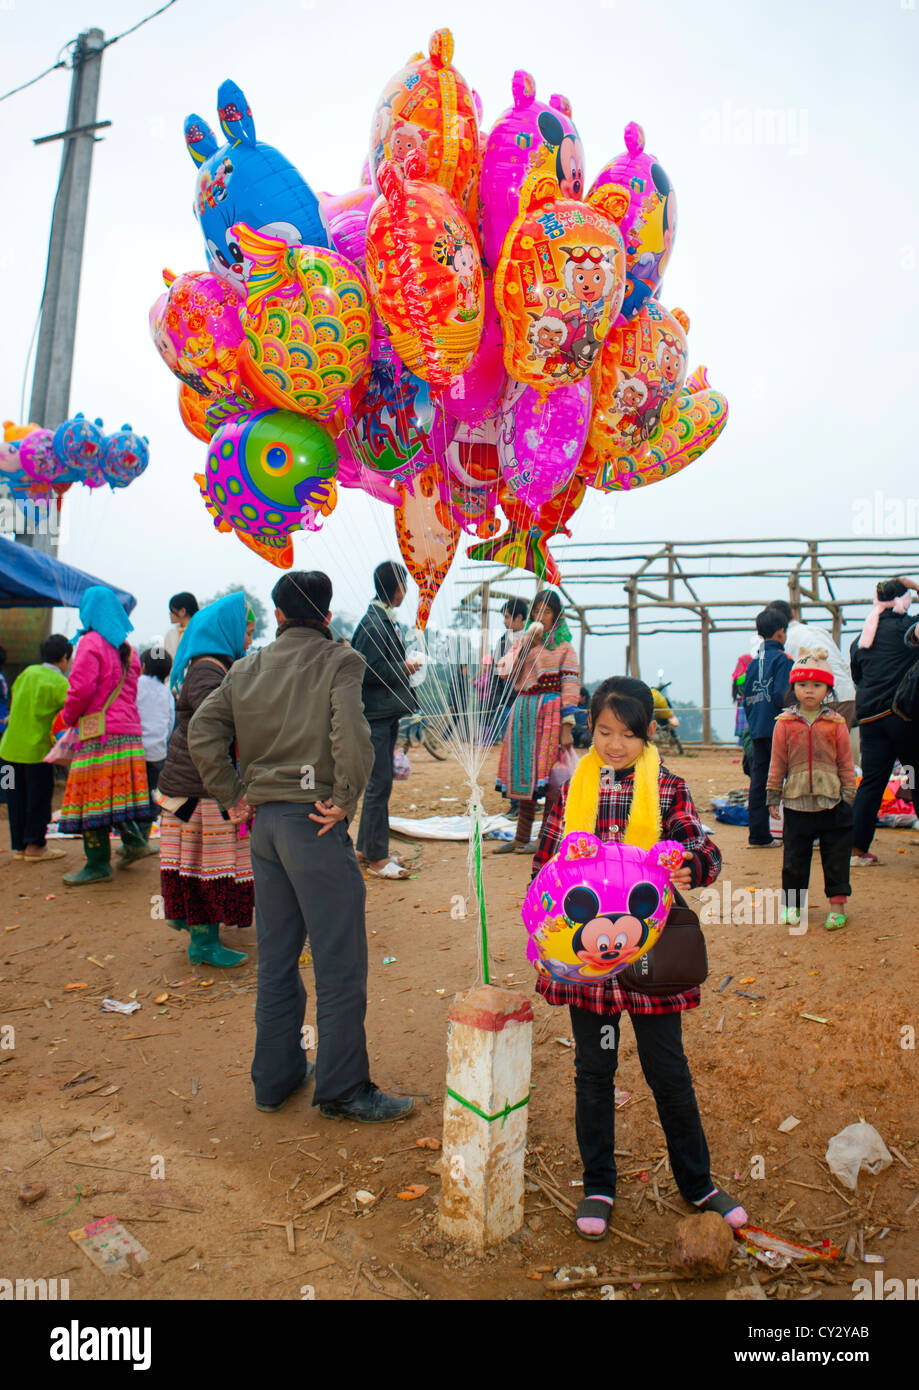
x=205, y=870
x=530, y=747
x=106, y=785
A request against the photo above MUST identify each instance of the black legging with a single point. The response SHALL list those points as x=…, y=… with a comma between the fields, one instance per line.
x=883, y=741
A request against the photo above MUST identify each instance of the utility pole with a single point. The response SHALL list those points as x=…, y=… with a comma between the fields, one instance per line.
x=50, y=401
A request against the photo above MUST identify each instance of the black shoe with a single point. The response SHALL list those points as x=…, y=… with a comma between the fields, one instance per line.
x=310, y=1073
x=371, y=1108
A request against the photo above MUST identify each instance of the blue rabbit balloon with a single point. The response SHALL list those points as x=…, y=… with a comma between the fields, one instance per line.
x=247, y=181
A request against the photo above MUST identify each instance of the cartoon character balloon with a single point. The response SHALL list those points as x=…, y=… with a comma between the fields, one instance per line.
x=391, y=423
x=639, y=378
x=268, y=473
x=648, y=225
x=125, y=455
x=425, y=274
x=307, y=324
x=598, y=906
x=39, y=459
x=530, y=139
x=558, y=289
x=248, y=181
x=78, y=444
x=196, y=330
x=698, y=417
x=427, y=107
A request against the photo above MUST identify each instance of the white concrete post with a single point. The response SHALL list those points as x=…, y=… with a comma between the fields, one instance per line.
x=489, y=1047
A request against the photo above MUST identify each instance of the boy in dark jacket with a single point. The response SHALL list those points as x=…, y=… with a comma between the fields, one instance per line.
x=387, y=696
x=765, y=689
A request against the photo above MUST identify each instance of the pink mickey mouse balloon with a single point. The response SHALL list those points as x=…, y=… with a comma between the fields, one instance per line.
x=530, y=138
x=540, y=439
x=648, y=225
x=598, y=906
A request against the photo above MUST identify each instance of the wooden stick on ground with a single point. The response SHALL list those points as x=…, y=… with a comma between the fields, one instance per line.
x=323, y=1197
x=637, y=1277
x=402, y=1280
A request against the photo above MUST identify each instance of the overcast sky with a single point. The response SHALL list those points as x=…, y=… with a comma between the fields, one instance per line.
x=788, y=131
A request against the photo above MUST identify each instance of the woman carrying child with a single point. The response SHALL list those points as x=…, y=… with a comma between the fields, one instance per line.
x=620, y=791
x=812, y=773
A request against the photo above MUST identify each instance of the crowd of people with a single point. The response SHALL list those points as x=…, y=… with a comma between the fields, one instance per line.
x=254, y=762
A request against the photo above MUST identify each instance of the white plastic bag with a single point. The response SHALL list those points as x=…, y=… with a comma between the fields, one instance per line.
x=856, y=1147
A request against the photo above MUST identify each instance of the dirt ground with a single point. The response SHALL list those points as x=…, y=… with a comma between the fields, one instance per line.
x=172, y=1082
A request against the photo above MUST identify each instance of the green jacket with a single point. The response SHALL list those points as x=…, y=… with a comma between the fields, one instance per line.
x=294, y=709
x=38, y=693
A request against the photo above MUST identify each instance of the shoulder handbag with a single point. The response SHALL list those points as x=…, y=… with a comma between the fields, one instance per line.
x=93, y=725
x=906, y=697
x=677, y=961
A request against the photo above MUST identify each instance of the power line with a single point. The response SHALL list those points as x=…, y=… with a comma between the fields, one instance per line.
x=32, y=80
x=140, y=23
x=62, y=64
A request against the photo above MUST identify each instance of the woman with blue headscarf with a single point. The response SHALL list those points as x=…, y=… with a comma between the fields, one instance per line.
x=205, y=870
x=107, y=783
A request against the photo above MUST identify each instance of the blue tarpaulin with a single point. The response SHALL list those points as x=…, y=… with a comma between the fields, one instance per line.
x=31, y=579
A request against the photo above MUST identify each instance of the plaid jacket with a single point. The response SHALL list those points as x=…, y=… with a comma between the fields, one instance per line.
x=680, y=821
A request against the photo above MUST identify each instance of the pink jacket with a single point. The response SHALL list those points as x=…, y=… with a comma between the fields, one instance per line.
x=95, y=672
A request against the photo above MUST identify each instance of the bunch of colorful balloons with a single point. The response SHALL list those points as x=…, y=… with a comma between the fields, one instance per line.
x=472, y=335
x=38, y=464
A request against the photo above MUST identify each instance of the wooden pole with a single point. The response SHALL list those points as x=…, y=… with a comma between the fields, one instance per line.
x=583, y=641
x=483, y=654
x=706, y=680
x=632, y=653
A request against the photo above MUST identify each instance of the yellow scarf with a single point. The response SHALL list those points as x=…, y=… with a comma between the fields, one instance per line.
x=644, y=824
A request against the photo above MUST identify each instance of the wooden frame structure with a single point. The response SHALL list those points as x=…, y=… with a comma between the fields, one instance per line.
x=651, y=587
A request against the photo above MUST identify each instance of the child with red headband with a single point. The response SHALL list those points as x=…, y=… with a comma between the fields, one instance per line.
x=812, y=757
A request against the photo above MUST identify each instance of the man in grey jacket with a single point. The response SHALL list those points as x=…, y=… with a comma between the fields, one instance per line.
x=304, y=754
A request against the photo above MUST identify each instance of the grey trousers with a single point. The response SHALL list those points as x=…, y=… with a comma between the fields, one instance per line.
x=373, y=831
x=308, y=885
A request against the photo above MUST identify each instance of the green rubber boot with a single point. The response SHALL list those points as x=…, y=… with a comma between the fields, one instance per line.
x=97, y=868
x=178, y=925
x=206, y=947
x=134, y=845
